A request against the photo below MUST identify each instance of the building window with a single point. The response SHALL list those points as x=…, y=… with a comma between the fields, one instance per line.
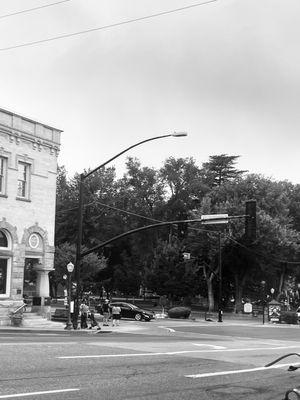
x=23, y=180
x=3, y=240
x=3, y=275
x=3, y=172
x=5, y=263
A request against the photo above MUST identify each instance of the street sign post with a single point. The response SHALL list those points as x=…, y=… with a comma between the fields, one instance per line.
x=212, y=219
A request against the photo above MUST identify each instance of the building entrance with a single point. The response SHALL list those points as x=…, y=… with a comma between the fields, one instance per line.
x=30, y=277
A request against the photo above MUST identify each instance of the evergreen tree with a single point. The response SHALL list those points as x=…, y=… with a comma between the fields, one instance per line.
x=220, y=169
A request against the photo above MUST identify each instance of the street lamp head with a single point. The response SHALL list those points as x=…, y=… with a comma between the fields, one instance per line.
x=179, y=134
x=70, y=267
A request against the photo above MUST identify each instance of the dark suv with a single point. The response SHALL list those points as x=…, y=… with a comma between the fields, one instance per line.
x=131, y=311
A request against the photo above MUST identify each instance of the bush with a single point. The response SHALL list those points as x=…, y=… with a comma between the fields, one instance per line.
x=16, y=319
x=179, y=312
x=288, y=317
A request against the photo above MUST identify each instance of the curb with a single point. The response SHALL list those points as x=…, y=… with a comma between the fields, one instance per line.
x=78, y=332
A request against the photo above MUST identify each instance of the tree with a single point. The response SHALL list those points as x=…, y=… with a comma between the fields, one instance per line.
x=90, y=266
x=181, y=190
x=220, y=169
x=183, y=180
x=66, y=208
x=169, y=275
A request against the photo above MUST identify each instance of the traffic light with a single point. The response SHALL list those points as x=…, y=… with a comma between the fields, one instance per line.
x=250, y=220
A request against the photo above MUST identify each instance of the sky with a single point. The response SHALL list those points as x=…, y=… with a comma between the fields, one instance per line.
x=226, y=72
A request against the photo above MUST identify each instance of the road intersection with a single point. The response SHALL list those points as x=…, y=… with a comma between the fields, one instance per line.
x=164, y=359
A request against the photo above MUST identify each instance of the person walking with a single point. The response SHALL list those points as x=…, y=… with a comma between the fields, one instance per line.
x=116, y=315
x=93, y=322
x=106, y=312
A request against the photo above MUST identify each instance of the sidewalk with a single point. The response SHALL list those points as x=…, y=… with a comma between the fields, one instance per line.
x=59, y=329
x=45, y=326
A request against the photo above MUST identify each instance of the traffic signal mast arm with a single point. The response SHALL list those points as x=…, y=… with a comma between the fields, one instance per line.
x=204, y=219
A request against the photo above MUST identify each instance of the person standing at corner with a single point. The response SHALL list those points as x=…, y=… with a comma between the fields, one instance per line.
x=116, y=315
x=84, y=310
x=106, y=313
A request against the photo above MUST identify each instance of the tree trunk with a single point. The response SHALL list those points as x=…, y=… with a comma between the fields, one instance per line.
x=210, y=293
x=238, y=306
x=239, y=289
x=281, y=282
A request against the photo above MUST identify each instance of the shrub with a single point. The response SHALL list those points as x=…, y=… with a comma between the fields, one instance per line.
x=288, y=317
x=179, y=312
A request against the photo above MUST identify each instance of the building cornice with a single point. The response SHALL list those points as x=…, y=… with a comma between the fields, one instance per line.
x=19, y=128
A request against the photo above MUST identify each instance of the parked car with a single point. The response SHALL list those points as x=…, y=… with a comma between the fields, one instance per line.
x=132, y=311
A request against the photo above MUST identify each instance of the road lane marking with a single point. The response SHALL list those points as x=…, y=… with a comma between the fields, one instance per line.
x=238, y=371
x=48, y=334
x=174, y=353
x=9, y=396
x=168, y=329
x=210, y=345
x=35, y=343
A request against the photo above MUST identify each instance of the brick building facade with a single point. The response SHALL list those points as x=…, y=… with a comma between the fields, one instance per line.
x=28, y=168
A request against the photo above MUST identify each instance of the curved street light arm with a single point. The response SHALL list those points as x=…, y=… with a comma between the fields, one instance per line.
x=175, y=134
x=80, y=212
x=143, y=228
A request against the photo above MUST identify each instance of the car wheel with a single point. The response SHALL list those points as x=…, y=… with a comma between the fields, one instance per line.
x=138, y=317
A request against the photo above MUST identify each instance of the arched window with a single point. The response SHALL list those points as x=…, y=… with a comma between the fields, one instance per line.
x=5, y=263
x=3, y=239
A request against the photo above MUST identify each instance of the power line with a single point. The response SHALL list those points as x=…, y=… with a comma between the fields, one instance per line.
x=203, y=230
x=276, y=260
x=32, y=9
x=129, y=21
x=195, y=229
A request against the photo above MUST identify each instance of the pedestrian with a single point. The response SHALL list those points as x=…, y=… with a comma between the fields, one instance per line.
x=25, y=301
x=106, y=312
x=93, y=322
x=116, y=315
x=84, y=309
x=99, y=308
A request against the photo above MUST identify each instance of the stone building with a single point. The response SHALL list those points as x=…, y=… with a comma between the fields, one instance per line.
x=28, y=168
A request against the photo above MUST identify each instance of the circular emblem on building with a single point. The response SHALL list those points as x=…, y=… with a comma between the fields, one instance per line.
x=34, y=241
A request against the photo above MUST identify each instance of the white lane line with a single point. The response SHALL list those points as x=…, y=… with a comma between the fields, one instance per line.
x=9, y=396
x=239, y=371
x=174, y=353
x=168, y=329
x=35, y=344
x=210, y=345
x=48, y=334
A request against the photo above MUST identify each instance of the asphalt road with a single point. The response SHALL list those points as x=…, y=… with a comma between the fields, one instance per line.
x=158, y=360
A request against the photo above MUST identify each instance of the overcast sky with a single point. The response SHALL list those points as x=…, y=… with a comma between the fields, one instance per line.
x=226, y=72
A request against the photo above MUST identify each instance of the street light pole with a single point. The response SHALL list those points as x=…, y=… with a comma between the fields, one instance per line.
x=220, y=316
x=263, y=287
x=70, y=268
x=80, y=211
